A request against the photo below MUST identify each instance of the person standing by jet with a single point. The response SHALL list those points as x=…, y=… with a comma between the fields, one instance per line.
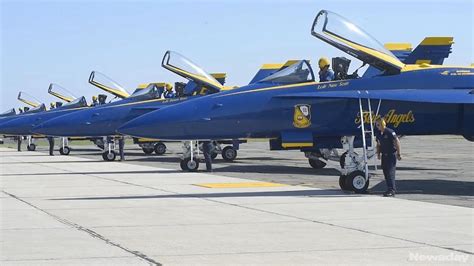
x=388, y=149
x=51, y=145
x=18, y=139
x=206, y=150
x=49, y=138
x=169, y=93
x=325, y=74
x=121, y=148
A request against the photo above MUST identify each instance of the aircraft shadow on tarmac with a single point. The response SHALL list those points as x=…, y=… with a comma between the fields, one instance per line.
x=295, y=193
x=431, y=187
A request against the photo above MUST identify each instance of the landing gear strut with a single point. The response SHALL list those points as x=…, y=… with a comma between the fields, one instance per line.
x=64, y=150
x=109, y=153
x=31, y=146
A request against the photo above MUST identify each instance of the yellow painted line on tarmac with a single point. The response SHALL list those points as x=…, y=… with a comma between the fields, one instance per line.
x=240, y=185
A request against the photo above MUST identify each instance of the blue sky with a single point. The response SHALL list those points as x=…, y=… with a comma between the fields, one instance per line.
x=63, y=41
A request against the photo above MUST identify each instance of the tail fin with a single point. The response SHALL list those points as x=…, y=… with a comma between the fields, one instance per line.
x=265, y=71
x=268, y=69
x=432, y=50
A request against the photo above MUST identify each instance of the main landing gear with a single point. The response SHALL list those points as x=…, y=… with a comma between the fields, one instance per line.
x=109, y=153
x=192, y=154
x=157, y=147
x=64, y=150
x=31, y=146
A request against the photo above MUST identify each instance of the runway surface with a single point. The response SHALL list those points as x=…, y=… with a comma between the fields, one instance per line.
x=76, y=210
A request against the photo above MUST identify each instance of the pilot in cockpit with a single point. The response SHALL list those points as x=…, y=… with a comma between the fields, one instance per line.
x=325, y=74
x=169, y=93
x=94, y=101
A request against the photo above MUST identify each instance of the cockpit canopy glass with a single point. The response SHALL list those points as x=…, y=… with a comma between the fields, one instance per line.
x=348, y=37
x=184, y=67
x=28, y=99
x=150, y=92
x=299, y=72
x=105, y=83
x=61, y=92
x=79, y=102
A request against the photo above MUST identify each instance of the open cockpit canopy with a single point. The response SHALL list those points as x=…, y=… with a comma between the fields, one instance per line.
x=61, y=93
x=105, y=83
x=298, y=72
x=348, y=37
x=184, y=67
x=28, y=99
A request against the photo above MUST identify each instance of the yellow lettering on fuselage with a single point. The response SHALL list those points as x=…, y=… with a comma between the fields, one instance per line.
x=391, y=118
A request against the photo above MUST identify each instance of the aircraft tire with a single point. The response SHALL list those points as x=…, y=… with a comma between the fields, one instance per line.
x=31, y=147
x=229, y=153
x=147, y=151
x=64, y=151
x=316, y=163
x=160, y=148
x=356, y=182
x=109, y=156
x=342, y=182
x=188, y=165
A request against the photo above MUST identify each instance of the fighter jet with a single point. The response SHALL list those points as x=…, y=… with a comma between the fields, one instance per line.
x=295, y=111
x=22, y=125
x=105, y=119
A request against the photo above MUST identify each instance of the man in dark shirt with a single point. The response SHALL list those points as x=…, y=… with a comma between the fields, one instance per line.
x=51, y=145
x=388, y=149
x=206, y=150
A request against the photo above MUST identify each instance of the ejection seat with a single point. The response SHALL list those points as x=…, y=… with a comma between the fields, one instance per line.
x=340, y=66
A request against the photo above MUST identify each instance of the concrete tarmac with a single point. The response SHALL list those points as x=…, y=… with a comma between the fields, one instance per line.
x=70, y=210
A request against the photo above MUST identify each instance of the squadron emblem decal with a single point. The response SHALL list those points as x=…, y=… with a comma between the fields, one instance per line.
x=302, y=116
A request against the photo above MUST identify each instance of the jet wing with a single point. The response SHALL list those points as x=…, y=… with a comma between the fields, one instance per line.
x=458, y=96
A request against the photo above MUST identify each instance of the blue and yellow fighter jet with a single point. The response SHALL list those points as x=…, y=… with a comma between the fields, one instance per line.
x=33, y=107
x=105, y=119
x=22, y=125
x=297, y=112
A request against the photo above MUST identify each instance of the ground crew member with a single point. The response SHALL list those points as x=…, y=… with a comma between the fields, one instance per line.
x=169, y=93
x=121, y=148
x=51, y=145
x=206, y=150
x=388, y=149
x=19, y=143
x=94, y=101
x=325, y=74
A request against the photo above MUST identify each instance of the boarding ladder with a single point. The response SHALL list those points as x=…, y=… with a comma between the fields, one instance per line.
x=371, y=116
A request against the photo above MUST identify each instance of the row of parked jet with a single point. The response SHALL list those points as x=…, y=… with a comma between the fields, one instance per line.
x=410, y=88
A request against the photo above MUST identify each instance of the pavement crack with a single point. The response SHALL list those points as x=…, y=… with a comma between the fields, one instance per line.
x=87, y=230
